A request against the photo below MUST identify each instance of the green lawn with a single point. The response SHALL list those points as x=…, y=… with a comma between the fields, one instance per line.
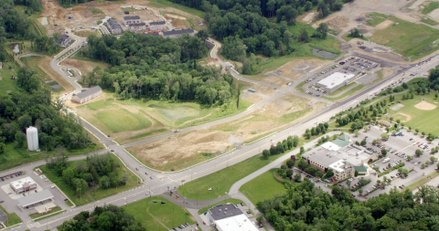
x=14, y=156
x=92, y=194
x=374, y=19
x=409, y=39
x=157, y=213
x=6, y=83
x=263, y=187
x=345, y=91
x=433, y=5
x=420, y=119
x=166, y=3
x=220, y=182
x=12, y=218
x=118, y=120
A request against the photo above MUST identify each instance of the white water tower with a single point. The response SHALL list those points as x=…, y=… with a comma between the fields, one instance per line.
x=32, y=138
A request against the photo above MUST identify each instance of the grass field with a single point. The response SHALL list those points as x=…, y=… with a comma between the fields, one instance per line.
x=374, y=19
x=6, y=83
x=157, y=213
x=12, y=218
x=433, y=5
x=263, y=187
x=131, y=119
x=14, y=156
x=409, y=39
x=92, y=194
x=220, y=182
x=420, y=119
x=166, y=3
x=345, y=91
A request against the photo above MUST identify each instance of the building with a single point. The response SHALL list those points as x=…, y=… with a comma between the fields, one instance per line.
x=175, y=33
x=23, y=185
x=335, y=80
x=64, y=40
x=35, y=199
x=87, y=94
x=136, y=27
x=157, y=25
x=228, y=217
x=340, y=156
x=132, y=19
x=113, y=26
x=32, y=139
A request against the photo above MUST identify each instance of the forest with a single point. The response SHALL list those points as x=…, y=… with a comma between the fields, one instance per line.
x=259, y=26
x=306, y=207
x=97, y=171
x=32, y=106
x=152, y=67
x=109, y=217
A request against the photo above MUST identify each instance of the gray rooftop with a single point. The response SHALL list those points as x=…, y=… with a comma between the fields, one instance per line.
x=224, y=211
x=157, y=23
x=351, y=153
x=89, y=91
x=131, y=17
x=178, y=32
x=34, y=198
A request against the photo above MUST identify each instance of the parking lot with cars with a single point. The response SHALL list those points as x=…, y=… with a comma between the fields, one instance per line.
x=400, y=151
x=359, y=67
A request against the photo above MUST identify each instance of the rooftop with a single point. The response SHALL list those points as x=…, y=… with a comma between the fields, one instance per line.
x=89, y=91
x=131, y=17
x=23, y=182
x=178, y=32
x=224, y=211
x=157, y=23
x=335, y=79
x=236, y=223
x=34, y=198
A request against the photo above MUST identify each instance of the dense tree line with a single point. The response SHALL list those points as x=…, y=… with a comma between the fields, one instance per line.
x=259, y=26
x=306, y=207
x=98, y=171
x=319, y=129
x=434, y=78
x=287, y=144
x=152, y=67
x=109, y=217
x=32, y=105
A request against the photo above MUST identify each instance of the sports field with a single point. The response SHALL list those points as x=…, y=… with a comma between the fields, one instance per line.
x=421, y=113
x=409, y=39
x=157, y=213
x=263, y=187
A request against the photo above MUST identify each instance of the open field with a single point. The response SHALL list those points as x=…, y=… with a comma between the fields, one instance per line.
x=166, y=3
x=431, y=6
x=85, y=66
x=131, y=119
x=220, y=182
x=92, y=194
x=263, y=187
x=373, y=19
x=409, y=39
x=185, y=149
x=6, y=83
x=14, y=156
x=157, y=213
x=42, y=66
x=345, y=91
x=421, y=113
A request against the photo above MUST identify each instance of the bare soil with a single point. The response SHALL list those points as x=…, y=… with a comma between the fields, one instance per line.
x=425, y=106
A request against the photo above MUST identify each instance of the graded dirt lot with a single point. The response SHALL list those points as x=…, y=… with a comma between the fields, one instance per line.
x=183, y=150
x=425, y=106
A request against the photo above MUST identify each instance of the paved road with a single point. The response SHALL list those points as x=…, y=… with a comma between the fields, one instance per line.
x=156, y=183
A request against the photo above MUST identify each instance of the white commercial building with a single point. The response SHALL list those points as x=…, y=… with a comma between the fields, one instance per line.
x=23, y=185
x=228, y=217
x=36, y=199
x=32, y=138
x=335, y=79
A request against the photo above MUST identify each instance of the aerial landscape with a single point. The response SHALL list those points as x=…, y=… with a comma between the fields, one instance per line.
x=219, y=115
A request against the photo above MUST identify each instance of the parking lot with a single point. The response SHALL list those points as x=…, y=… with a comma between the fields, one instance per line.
x=401, y=148
x=9, y=198
x=358, y=67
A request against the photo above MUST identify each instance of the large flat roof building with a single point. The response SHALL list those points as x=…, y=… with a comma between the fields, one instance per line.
x=23, y=185
x=228, y=217
x=335, y=80
x=87, y=94
x=35, y=199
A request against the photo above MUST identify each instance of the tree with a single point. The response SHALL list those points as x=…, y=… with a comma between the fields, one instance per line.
x=383, y=152
x=80, y=186
x=321, y=31
x=234, y=48
x=27, y=80
x=304, y=37
x=418, y=152
x=2, y=147
x=403, y=172
x=355, y=33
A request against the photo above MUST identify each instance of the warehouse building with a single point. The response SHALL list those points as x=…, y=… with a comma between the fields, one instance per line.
x=35, y=199
x=87, y=94
x=335, y=80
